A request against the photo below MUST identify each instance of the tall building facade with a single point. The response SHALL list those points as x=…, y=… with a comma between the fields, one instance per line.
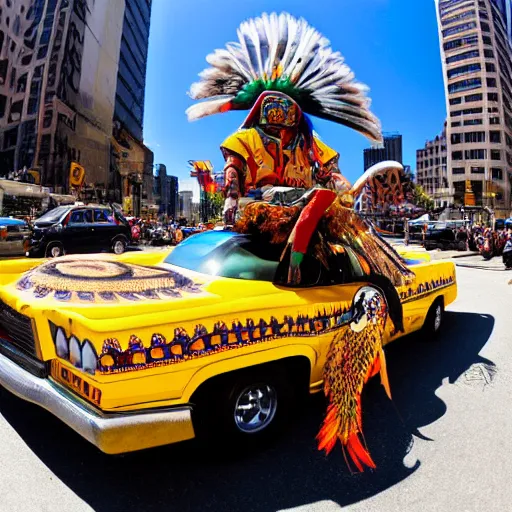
x=166, y=192
x=392, y=150
x=60, y=70
x=186, y=205
x=132, y=159
x=431, y=170
x=476, y=53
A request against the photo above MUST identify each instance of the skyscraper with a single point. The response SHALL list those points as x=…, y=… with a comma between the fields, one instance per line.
x=59, y=66
x=431, y=172
x=132, y=162
x=476, y=53
x=63, y=66
x=166, y=192
x=392, y=150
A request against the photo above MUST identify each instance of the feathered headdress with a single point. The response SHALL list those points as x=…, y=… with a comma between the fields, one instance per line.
x=284, y=54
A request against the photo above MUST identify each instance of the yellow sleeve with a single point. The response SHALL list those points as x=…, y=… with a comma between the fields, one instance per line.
x=237, y=144
x=326, y=153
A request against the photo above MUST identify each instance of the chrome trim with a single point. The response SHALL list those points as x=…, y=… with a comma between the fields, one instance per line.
x=111, y=433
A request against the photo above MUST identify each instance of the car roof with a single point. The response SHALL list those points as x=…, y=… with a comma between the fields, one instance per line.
x=7, y=221
x=211, y=237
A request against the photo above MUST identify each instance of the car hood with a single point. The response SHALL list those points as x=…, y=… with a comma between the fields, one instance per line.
x=96, y=286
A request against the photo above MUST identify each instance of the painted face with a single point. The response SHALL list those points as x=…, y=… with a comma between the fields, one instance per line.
x=277, y=111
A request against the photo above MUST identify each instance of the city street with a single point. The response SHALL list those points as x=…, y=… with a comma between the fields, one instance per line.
x=444, y=443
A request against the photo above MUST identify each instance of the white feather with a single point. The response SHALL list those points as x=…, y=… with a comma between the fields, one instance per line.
x=302, y=55
x=207, y=108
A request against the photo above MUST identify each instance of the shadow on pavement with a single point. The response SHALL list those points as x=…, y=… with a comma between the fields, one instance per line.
x=288, y=473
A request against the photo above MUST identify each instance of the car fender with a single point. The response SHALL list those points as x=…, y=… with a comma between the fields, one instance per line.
x=215, y=369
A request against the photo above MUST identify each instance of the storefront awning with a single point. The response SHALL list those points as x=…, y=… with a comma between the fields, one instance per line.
x=14, y=188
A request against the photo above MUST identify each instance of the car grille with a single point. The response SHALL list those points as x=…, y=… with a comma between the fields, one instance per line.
x=18, y=328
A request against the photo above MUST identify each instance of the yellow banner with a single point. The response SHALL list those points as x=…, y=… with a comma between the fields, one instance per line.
x=76, y=175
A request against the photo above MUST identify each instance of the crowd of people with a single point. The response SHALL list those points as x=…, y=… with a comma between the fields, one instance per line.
x=163, y=231
x=489, y=242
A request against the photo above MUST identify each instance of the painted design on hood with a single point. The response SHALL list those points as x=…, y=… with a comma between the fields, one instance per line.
x=95, y=280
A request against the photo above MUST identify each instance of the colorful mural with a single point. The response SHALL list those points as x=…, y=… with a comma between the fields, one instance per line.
x=162, y=350
x=182, y=345
x=414, y=292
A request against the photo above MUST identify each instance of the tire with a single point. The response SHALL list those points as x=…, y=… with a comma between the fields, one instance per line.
x=54, y=250
x=245, y=408
x=433, y=321
x=119, y=245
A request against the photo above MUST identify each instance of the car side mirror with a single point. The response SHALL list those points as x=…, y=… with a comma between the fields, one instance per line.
x=56, y=228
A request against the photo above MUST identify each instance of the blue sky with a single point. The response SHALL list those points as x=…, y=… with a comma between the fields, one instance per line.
x=392, y=45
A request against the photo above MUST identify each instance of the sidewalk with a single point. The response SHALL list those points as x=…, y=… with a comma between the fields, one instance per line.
x=435, y=254
x=444, y=255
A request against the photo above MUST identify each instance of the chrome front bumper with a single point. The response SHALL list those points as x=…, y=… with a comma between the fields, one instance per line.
x=111, y=433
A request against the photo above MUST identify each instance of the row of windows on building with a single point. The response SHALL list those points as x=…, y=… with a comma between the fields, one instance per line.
x=430, y=150
x=458, y=17
x=496, y=172
x=474, y=122
x=470, y=137
x=469, y=98
x=464, y=27
x=431, y=162
x=448, y=6
x=468, y=41
x=471, y=83
x=479, y=154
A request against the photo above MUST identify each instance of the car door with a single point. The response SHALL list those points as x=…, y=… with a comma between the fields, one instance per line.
x=104, y=228
x=78, y=235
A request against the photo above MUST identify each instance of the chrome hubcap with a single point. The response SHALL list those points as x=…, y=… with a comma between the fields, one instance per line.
x=118, y=247
x=55, y=252
x=255, y=408
x=438, y=318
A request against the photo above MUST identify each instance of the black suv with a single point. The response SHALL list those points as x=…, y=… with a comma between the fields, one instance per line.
x=73, y=229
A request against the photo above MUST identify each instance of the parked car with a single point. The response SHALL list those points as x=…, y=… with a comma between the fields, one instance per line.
x=13, y=233
x=147, y=349
x=443, y=236
x=75, y=229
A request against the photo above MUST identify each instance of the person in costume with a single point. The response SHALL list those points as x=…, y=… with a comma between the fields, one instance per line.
x=283, y=70
x=276, y=147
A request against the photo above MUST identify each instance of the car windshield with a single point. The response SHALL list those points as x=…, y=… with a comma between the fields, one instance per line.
x=225, y=254
x=54, y=215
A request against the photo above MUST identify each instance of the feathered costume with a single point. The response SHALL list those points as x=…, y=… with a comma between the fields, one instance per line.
x=280, y=70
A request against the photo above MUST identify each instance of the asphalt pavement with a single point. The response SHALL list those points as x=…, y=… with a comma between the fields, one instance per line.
x=443, y=444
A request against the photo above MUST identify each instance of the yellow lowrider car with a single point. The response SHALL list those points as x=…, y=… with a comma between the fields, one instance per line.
x=144, y=349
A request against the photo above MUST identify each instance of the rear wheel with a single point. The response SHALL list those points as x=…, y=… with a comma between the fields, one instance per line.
x=434, y=320
x=243, y=408
x=54, y=250
x=119, y=245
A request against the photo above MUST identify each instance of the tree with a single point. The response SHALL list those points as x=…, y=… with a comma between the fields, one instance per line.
x=422, y=199
x=215, y=204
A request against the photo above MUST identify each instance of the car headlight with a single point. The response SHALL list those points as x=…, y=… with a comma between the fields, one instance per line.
x=89, y=358
x=82, y=355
